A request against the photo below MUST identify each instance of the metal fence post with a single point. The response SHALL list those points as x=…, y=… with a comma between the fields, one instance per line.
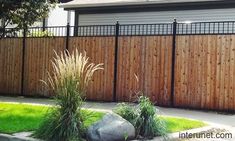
x=44, y=24
x=67, y=36
x=23, y=61
x=76, y=26
x=115, y=62
x=173, y=63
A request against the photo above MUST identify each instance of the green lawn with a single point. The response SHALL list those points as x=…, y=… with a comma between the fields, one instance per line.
x=179, y=124
x=22, y=117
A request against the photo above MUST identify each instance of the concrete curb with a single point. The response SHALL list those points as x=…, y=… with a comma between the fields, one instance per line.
x=6, y=137
x=171, y=137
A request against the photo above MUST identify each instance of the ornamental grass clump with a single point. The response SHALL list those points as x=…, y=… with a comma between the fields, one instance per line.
x=148, y=123
x=69, y=81
x=143, y=116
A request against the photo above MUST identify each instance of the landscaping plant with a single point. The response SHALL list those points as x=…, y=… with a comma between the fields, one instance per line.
x=143, y=117
x=128, y=112
x=69, y=81
x=148, y=123
x=15, y=118
x=40, y=34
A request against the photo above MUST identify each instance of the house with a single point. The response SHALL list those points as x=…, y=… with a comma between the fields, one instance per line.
x=59, y=17
x=102, y=12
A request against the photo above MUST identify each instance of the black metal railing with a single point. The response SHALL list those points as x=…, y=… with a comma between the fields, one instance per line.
x=145, y=29
x=47, y=31
x=195, y=28
x=11, y=32
x=94, y=30
x=221, y=27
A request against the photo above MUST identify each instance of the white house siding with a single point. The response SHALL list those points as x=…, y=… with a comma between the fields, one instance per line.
x=158, y=17
x=59, y=17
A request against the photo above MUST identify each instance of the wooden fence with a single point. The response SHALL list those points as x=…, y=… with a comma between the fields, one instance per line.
x=99, y=50
x=149, y=58
x=38, y=53
x=204, y=72
x=10, y=66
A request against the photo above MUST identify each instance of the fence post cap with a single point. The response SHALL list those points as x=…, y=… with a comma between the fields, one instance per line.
x=175, y=20
x=117, y=22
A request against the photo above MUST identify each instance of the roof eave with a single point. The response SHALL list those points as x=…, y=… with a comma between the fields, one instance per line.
x=151, y=6
x=71, y=5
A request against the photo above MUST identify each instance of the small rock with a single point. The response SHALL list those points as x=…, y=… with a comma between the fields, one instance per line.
x=112, y=127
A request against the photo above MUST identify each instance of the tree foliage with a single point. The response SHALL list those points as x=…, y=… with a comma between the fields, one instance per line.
x=24, y=13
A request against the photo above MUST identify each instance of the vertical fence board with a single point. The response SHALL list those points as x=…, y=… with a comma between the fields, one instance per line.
x=10, y=65
x=99, y=50
x=149, y=57
x=208, y=60
x=232, y=74
x=38, y=55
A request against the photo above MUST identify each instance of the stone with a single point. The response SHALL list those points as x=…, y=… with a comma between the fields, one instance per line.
x=111, y=127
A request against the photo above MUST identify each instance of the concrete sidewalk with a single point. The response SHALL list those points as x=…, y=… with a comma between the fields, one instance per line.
x=210, y=117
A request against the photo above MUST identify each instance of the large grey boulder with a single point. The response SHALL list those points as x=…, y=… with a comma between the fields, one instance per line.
x=112, y=127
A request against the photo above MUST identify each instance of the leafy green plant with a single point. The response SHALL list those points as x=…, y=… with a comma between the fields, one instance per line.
x=23, y=13
x=69, y=81
x=40, y=34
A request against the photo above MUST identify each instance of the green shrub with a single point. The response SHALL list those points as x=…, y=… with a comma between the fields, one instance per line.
x=127, y=112
x=143, y=117
x=40, y=34
x=69, y=80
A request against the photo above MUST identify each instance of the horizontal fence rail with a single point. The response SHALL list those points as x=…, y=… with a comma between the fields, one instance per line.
x=190, y=65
